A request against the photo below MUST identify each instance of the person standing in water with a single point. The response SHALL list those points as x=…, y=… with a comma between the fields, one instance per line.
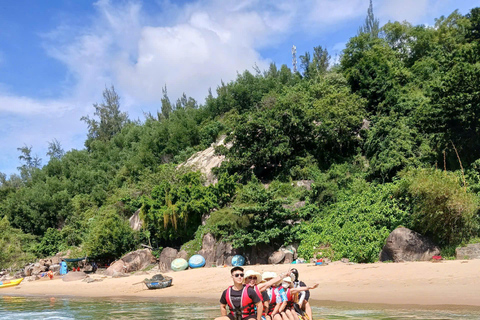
x=243, y=301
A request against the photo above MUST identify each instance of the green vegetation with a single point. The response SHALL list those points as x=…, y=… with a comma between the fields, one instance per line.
x=388, y=137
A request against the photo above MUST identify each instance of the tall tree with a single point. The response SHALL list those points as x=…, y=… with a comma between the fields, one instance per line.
x=110, y=119
x=166, y=104
x=30, y=162
x=55, y=150
x=371, y=25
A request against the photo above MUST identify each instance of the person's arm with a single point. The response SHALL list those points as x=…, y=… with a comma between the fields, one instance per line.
x=259, y=305
x=269, y=283
x=299, y=289
x=276, y=309
x=282, y=306
x=223, y=309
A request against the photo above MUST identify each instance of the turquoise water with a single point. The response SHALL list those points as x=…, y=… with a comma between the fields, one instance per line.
x=20, y=308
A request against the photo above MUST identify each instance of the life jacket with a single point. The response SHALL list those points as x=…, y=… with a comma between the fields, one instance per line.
x=247, y=306
x=290, y=298
x=273, y=301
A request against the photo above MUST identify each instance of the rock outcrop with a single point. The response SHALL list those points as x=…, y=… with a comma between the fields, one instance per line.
x=206, y=160
x=166, y=258
x=132, y=261
x=135, y=221
x=471, y=251
x=406, y=245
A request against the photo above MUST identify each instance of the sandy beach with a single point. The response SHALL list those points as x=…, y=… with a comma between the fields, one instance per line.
x=411, y=283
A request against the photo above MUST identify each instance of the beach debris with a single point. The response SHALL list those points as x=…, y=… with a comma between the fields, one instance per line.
x=406, y=245
x=437, y=258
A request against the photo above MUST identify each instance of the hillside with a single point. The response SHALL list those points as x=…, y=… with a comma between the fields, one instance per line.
x=417, y=163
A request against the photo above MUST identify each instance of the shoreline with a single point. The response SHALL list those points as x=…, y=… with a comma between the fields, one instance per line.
x=449, y=285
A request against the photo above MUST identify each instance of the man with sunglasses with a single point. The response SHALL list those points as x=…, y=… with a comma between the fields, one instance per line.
x=241, y=299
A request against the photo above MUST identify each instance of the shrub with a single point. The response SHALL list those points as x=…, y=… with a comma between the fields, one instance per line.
x=442, y=208
x=355, y=227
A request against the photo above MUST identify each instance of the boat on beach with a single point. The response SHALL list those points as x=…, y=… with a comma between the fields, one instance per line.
x=10, y=283
x=158, y=282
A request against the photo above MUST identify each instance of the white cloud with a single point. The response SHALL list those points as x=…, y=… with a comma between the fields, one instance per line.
x=189, y=47
x=412, y=11
x=331, y=12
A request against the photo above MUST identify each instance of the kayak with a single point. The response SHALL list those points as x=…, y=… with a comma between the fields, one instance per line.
x=10, y=283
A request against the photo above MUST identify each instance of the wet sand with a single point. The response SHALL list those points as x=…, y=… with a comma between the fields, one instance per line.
x=454, y=283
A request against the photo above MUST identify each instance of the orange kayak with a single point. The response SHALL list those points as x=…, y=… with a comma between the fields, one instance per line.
x=10, y=283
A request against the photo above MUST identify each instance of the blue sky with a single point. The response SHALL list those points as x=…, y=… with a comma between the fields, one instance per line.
x=56, y=57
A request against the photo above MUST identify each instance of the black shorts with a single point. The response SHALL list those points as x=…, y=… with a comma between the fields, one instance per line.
x=232, y=317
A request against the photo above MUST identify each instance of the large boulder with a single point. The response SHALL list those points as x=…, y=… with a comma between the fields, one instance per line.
x=406, y=245
x=132, y=261
x=471, y=251
x=276, y=257
x=216, y=253
x=166, y=258
x=116, y=267
x=182, y=254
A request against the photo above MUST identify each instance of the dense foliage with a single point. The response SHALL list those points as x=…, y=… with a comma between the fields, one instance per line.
x=387, y=137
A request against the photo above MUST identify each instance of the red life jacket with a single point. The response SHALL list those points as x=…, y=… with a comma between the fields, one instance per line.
x=273, y=301
x=246, y=304
x=290, y=297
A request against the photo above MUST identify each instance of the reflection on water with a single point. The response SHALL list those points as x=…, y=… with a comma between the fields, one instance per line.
x=20, y=308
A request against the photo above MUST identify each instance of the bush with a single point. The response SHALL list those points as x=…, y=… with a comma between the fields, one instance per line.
x=355, y=227
x=109, y=236
x=15, y=246
x=442, y=209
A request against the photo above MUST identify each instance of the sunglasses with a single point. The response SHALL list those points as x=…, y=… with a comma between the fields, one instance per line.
x=252, y=278
x=236, y=275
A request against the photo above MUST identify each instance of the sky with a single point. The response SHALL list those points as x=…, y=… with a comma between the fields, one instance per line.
x=58, y=56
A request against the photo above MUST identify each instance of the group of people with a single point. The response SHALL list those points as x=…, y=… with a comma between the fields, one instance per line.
x=266, y=296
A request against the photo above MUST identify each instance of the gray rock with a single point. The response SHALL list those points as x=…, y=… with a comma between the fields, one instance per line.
x=276, y=257
x=471, y=251
x=135, y=221
x=54, y=267
x=206, y=160
x=182, y=254
x=288, y=257
x=166, y=258
x=307, y=184
x=406, y=245
x=132, y=261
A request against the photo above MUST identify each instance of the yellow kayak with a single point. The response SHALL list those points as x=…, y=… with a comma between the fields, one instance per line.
x=10, y=283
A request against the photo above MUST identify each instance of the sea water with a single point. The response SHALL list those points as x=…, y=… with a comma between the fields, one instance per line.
x=20, y=308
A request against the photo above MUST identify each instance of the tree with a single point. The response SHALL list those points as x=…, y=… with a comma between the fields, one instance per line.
x=317, y=65
x=55, y=150
x=30, y=163
x=110, y=119
x=371, y=25
x=166, y=104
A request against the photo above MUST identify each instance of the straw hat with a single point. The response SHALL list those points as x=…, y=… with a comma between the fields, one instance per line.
x=289, y=281
x=250, y=273
x=267, y=275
